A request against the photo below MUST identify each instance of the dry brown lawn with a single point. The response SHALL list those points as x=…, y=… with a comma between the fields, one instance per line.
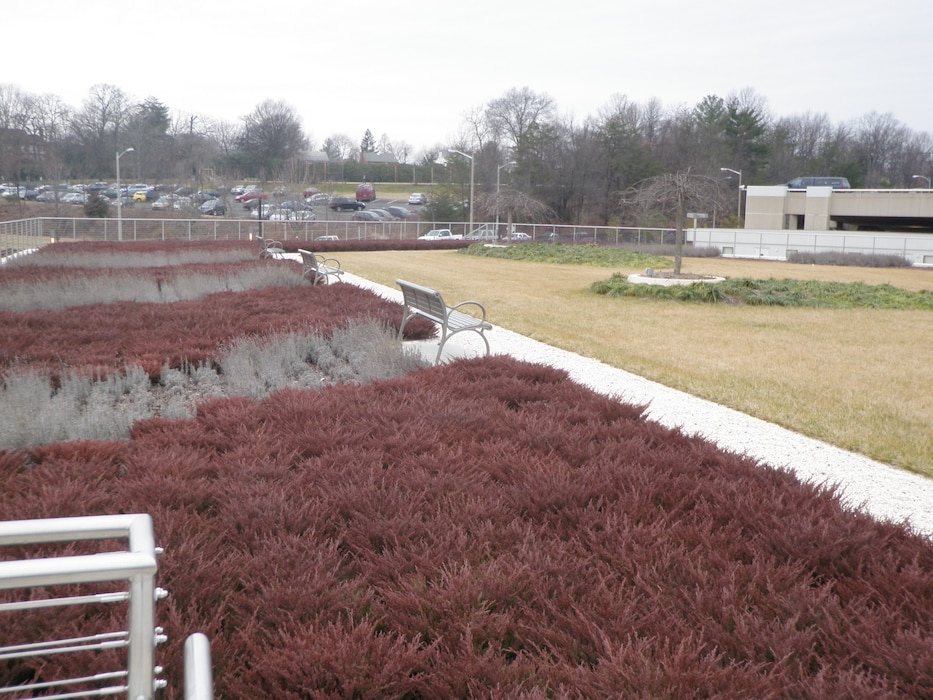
x=859, y=379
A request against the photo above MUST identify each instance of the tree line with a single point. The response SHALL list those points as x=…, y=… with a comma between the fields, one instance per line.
x=518, y=142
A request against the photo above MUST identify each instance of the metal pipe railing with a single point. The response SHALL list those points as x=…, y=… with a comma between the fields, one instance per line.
x=137, y=566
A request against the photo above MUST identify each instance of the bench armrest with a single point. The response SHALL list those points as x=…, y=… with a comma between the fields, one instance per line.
x=481, y=308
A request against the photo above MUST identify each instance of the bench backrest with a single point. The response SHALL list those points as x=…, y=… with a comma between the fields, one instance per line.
x=309, y=259
x=428, y=301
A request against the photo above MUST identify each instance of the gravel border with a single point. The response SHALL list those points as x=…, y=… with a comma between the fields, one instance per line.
x=883, y=491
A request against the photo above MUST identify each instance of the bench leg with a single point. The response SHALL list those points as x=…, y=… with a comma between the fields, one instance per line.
x=440, y=347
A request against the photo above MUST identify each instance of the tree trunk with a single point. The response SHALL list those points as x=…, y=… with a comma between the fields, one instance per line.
x=679, y=234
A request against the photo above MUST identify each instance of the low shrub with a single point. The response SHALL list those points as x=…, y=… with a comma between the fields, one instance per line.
x=55, y=288
x=669, y=250
x=785, y=292
x=361, y=246
x=99, y=339
x=562, y=253
x=155, y=253
x=488, y=528
x=34, y=410
x=837, y=257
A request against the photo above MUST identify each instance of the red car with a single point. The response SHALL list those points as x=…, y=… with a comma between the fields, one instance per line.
x=251, y=194
x=365, y=193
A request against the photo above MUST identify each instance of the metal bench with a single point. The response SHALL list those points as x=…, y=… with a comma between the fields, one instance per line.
x=318, y=269
x=269, y=248
x=428, y=303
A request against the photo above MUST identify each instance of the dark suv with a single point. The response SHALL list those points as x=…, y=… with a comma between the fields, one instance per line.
x=346, y=204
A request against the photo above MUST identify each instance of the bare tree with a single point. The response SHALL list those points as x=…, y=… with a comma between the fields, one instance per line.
x=513, y=205
x=98, y=127
x=272, y=134
x=518, y=112
x=402, y=151
x=14, y=110
x=674, y=194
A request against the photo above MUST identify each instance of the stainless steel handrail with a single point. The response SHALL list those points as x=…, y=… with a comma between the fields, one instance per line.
x=137, y=566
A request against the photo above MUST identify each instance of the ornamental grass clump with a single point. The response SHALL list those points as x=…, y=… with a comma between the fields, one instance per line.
x=489, y=528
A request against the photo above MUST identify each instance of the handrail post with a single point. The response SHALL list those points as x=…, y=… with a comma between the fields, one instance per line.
x=199, y=679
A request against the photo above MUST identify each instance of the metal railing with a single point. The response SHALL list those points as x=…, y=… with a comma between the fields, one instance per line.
x=27, y=234
x=136, y=566
x=30, y=234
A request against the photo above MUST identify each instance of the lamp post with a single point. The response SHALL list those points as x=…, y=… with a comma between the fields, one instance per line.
x=120, y=196
x=498, y=174
x=472, y=180
x=923, y=177
x=738, y=208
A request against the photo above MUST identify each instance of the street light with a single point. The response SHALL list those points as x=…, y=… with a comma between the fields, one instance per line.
x=498, y=174
x=738, y=208
x=472, y=171
x=923, y=177
x=120, y=196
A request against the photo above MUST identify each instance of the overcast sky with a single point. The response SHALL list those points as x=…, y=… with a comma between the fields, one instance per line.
x=411, y=69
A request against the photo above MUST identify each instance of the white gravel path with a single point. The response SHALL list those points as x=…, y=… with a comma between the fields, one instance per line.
x=880, y=489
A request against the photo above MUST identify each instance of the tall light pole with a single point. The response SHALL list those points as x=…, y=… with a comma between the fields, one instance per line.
x=738, y=209
x=923, y=177
x=472, y=180
x=120, y=196
x=498, y=173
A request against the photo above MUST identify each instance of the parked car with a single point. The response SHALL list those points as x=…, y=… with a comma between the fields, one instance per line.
x=317, y=198
x=203, y=195
x=365, y=193
x=264, y=211
x=399, y=212
x=519, y=236
x=295, y=205
x=417, y=198
x=74, y=198
x=291, y=215
x=441, y=234
x=255, y=201
x=250, y=195
x=327, y=238
x=310, y=192
x=383, y=214
x=345, y=204
x=166, y=202
x=213, y=207
x=366, y=216
x=482, y=234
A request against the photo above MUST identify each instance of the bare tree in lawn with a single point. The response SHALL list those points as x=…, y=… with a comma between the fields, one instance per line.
x=675, y=194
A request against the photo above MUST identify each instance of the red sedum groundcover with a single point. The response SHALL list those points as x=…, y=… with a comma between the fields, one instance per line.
x=489, y=528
